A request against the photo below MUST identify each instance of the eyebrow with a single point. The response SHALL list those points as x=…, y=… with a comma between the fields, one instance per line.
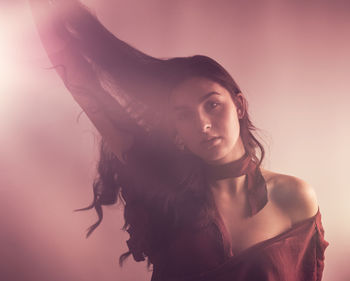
x=201, y=99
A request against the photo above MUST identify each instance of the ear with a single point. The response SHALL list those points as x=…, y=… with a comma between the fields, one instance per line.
x=240, y=105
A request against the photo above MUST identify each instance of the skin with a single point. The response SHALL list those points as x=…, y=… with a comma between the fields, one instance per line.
x=203, y=109
x=200, y=109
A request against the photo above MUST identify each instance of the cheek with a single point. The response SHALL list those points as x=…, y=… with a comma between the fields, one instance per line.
x=229, y=123
x=186, y=133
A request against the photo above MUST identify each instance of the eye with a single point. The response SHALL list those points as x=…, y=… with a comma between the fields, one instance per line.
x=212, y=105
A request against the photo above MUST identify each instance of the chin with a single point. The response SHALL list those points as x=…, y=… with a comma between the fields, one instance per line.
x=213, y=156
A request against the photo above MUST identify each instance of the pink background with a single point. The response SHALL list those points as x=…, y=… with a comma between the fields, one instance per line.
x=292, y=61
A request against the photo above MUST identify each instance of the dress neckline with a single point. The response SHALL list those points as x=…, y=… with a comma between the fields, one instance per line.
x=316, y=218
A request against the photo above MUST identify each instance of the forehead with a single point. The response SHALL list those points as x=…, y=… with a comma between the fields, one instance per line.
x=193, y=89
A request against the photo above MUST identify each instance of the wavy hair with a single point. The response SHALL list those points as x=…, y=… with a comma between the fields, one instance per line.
x=170, y=193
x=161, y=188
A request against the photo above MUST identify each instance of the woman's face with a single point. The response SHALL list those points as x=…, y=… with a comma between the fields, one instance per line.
x=202, y=109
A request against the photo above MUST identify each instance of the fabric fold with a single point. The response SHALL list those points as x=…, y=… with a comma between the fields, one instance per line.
x=294, y=255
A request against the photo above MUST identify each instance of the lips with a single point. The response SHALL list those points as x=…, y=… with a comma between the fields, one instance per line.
x=208, y=140
x=211, y=142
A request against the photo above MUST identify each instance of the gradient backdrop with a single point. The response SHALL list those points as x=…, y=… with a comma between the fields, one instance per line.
x=292, y=61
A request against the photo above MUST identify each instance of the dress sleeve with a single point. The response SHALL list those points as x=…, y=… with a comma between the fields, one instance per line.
x=103, y=74
x=321, y=245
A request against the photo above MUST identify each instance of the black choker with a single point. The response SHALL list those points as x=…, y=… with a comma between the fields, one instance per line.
x=228, y=170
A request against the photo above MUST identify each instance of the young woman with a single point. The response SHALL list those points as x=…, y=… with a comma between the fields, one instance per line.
x=178, y=149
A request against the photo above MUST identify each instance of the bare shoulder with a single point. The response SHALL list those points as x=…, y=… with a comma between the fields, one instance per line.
x=295, y=197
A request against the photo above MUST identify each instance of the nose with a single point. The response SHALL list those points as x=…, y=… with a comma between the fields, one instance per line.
x=204, y=123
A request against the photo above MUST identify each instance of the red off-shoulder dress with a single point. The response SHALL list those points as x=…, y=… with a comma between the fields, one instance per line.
x=294, y=255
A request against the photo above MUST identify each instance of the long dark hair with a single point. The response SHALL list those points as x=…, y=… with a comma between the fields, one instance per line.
x=161, y=188
x=106, y=187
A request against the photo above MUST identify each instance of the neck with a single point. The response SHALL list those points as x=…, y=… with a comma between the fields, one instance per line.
x=229, y=178
x=238, y=182
x=231, y=186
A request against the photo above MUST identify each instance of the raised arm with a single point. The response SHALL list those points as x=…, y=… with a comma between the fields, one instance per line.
x=96, y=67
